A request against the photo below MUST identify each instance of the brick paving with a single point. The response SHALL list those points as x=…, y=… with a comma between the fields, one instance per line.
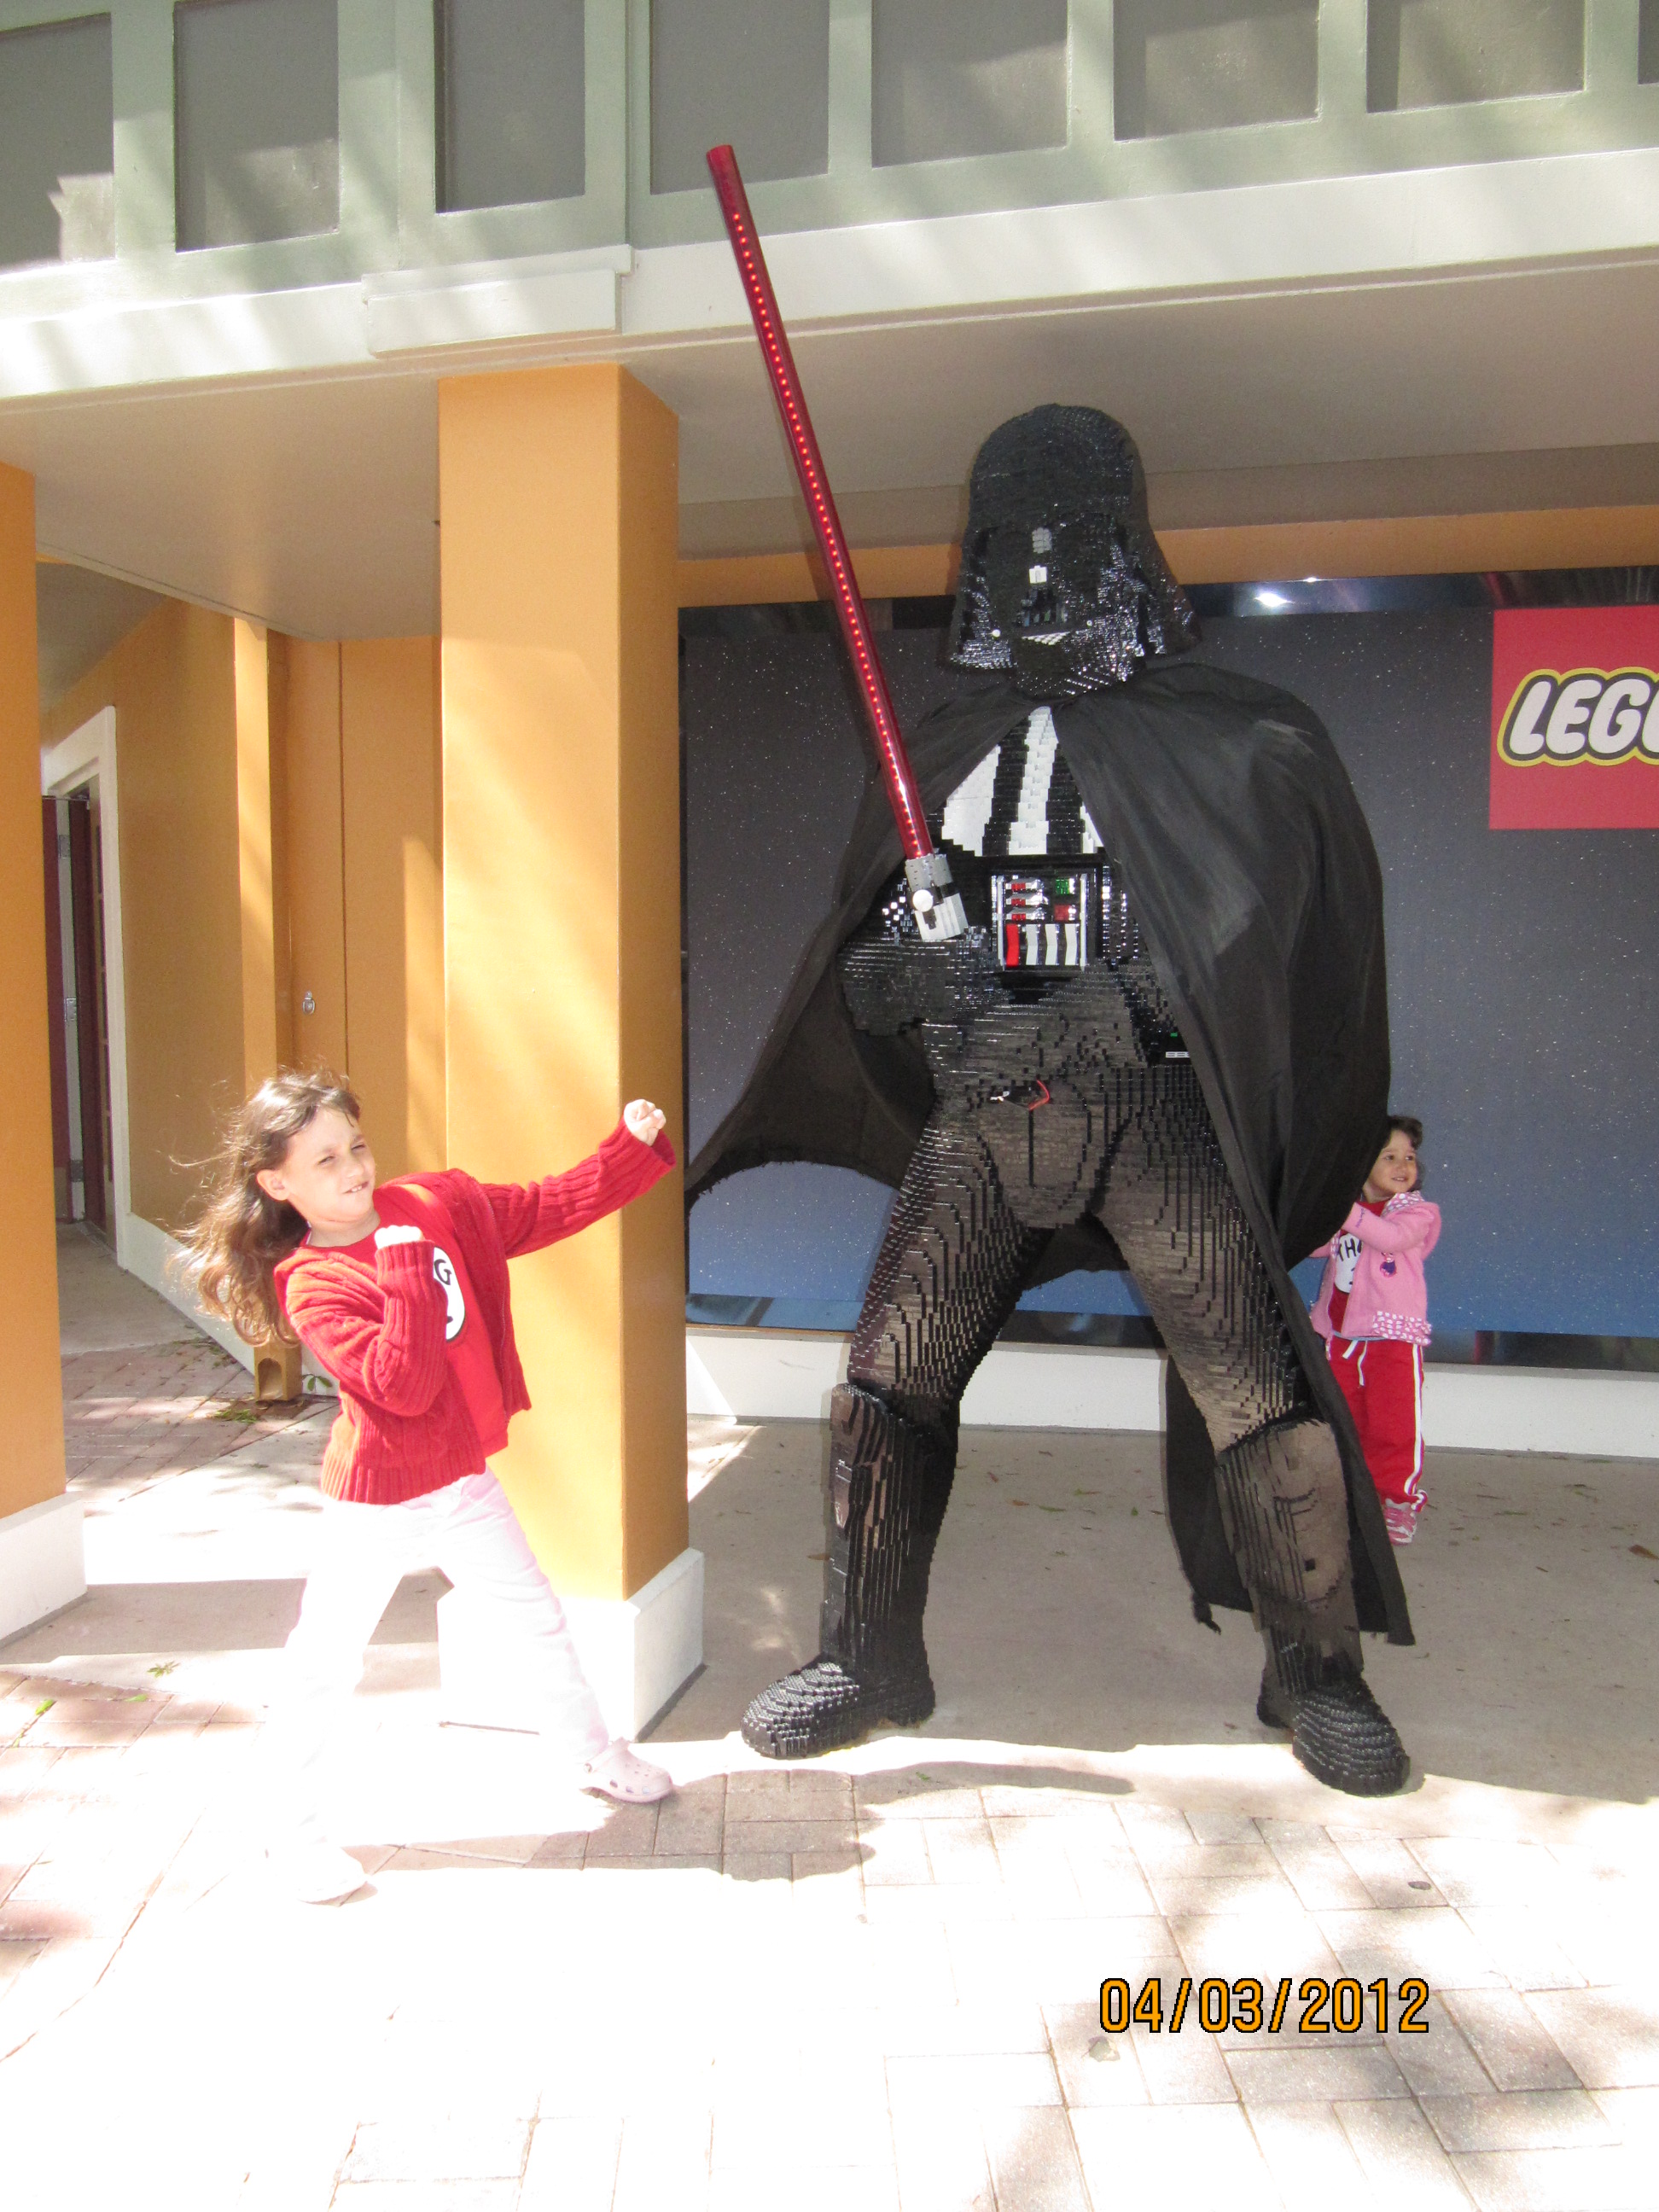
x=870, y=1981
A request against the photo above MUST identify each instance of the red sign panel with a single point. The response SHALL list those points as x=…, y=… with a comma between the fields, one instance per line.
x=1574, y=719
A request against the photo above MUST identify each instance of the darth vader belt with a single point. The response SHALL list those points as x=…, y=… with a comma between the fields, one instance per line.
x=1044, y=918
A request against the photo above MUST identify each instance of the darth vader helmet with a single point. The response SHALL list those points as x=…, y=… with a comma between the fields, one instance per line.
x=1062, y=582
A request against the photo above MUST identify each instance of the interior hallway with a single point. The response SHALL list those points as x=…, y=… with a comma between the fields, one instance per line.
x=874, y=1978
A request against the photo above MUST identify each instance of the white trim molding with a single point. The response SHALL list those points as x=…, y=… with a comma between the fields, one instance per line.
x=778, y=1375
x=637, y=1652
x=43, y=1563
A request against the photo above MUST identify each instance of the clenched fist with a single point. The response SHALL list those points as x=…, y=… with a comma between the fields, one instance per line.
x=643, y=1119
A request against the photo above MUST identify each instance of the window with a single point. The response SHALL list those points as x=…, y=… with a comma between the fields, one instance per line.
x=752, y=74
x=257, y=120
x=1214, y=64
x=1435, y=53
x=511, y=102
x=1647, y=44
x=952, y=77
x=57, y=143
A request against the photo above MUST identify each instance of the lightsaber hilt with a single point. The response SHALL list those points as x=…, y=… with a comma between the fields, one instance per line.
x=933, y=895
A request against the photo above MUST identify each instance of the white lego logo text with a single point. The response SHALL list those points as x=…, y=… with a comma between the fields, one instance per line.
x=1586, y=715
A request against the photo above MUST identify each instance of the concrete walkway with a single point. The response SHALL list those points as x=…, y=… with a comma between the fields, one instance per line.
x=873, y=1981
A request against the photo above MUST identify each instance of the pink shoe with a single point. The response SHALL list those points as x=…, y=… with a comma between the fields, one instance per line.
x=1399, y=1520
x=619, y=1773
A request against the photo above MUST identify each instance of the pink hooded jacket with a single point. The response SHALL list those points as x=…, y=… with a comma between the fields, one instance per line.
x=1389, y=1297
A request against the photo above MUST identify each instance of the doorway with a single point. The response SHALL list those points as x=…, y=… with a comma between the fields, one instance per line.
x=82, y=1140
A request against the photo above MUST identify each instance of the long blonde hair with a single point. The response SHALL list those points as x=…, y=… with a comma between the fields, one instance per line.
x=240, y=1234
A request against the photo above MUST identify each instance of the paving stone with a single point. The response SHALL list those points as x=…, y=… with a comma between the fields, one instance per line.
x=1609, y=2038
x=1204, y=2158
x=450, y=2149
x=940, y=2162
x=962, y=1850
x=1055, y=1960
x=1395, y=1880
x=1188, y=2069
x=1441, y=2062
x=1610, y=2180
x=1401, y=2157
x=1521, y=2119
x=1335, y=2075
x=1436, y=1946
x=1509, y=2040
x=980, y=2081
x=1192, y=1897
x=1518, y=1940
x=953, y=2031
x=791, y=1834
x=663, y=2161
x=896, y=1852
x=1033, y=2159
x=1094, y=2067
x=1633, y=2115
x=758, y=2128
x=1313, y=1867
x=426, y=2196
x=1485, y=1870
x=1309, y=2157
x=1263, y=1946
x=810, y=2188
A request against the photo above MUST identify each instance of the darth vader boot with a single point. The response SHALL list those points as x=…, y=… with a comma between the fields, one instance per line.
x=889, y=1481
x=1284, y=1505
x=1337, y=1730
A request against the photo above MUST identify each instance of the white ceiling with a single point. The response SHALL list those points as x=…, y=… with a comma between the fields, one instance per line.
x=313, y=504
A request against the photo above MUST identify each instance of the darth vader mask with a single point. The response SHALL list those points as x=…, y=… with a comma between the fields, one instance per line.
x=1063, y=587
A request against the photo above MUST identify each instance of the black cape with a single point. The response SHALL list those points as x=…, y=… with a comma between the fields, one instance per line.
x=1250, y=868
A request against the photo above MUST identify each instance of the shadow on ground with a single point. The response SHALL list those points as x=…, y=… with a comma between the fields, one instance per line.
x=1059, y=1615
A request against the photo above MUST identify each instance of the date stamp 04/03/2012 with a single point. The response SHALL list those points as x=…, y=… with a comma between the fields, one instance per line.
x=1245, y=2007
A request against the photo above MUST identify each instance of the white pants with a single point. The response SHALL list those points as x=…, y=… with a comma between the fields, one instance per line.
x=469, y=1531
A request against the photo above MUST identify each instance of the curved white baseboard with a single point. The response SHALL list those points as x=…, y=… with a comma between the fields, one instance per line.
x=43, y=1566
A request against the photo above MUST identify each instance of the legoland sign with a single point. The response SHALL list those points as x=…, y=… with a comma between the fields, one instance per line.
x=1574, y=719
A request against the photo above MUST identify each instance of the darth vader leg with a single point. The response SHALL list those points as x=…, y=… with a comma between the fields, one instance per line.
x=949, y=1271
x=1170, y=1206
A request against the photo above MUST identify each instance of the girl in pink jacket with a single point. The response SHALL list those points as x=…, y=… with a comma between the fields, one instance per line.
x=1373, y=1312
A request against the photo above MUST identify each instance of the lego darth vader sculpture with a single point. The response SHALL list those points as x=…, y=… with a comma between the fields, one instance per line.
x=1162, y=1043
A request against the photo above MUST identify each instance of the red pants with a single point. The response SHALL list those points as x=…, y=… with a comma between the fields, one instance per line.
x=1382, y=1382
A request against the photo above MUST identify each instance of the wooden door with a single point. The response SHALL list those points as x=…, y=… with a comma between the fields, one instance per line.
x=89, y=1009
x=50, y=855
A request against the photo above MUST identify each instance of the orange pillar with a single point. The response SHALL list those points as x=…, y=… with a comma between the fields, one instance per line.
x=39, y=1531
x=561, y=822
x=262, y=831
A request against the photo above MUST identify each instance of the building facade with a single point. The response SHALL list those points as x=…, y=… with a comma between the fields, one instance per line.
x=375, y=386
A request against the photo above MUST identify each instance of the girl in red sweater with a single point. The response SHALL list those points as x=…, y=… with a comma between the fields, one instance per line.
x=400, y=1289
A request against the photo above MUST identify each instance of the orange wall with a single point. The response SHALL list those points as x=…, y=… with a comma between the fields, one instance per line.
x=32, y=1464
x=280, y=833
x=172, y=684
x=392, y=809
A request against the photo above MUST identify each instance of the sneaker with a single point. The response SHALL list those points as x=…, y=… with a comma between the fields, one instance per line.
x=316, y=1873
x=620, y=1772
x=823, y=1706
x=1399, y=1520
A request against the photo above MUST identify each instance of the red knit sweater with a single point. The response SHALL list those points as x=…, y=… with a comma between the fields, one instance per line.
x=376, y=1322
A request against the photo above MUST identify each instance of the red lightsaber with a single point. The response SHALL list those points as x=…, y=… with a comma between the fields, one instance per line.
x=938, y=906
